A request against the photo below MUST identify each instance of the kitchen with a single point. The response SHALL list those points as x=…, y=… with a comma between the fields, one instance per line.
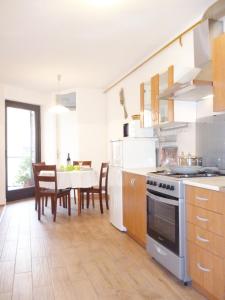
x=142, y=128
x=181, y=211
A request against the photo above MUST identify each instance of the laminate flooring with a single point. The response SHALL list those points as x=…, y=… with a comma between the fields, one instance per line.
x=81, y=257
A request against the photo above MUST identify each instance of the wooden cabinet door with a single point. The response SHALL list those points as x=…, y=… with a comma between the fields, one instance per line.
x=134, y=206
x=154, y=99
x=170, y=100
x=140, y=209
x=206, y=271
x=218, y=61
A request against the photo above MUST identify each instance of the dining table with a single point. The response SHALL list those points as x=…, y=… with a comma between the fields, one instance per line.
x=83, y=178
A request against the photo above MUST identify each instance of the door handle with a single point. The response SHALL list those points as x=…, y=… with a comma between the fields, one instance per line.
x=132, y=181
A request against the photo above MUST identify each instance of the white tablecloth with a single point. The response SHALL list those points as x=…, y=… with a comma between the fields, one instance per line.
x=72, y=179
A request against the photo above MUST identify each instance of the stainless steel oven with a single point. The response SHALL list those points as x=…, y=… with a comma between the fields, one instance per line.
x=163, y=219
x=166, y=241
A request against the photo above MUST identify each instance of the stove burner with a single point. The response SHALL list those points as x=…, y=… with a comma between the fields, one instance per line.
x=178, y=175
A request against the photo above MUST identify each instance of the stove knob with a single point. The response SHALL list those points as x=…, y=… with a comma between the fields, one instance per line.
x=155, y=183
x=168, y=187
x=148, y=182
x=160, y=185
x=164, y=186
x=172, y=188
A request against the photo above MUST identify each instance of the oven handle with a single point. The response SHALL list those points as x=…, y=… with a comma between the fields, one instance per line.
x=163, y=200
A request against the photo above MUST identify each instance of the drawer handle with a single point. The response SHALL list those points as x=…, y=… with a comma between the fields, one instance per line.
x=202, y=219
x=202, y=268
x=160, y=251
x=201, y=239
x=201, y=198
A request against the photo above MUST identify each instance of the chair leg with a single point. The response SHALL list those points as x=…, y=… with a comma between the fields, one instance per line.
x=36, y=204
x=82, y=200
x=65, y=200
x=69, y=205
x=60, y=201
x=88, y=199
x=46, y=201
x=106, y=200
x=93, y=199
x=55, y=208
x=39, y=208
x=100, y=201
x=74, y=196
x=52, y=204
x=43, y=205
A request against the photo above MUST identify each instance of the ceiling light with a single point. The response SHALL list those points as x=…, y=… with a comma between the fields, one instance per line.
x=59, y=109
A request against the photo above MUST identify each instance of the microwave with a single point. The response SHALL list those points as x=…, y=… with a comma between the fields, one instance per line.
x=133, y=129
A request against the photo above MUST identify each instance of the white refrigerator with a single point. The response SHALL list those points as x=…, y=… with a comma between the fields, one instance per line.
x=129, y=153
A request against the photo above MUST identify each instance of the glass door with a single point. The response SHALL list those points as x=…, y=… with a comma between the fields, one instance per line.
x=163, y=220
x=22, y=148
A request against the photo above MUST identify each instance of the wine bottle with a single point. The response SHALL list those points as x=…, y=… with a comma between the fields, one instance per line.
x=68, y=160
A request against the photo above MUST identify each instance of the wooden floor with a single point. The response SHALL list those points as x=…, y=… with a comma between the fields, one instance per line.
x=77, y=258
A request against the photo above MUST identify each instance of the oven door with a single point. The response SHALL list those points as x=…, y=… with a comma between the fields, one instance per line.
x=163, y=219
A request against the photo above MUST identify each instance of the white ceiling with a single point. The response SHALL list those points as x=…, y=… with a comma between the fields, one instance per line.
x=89, y=44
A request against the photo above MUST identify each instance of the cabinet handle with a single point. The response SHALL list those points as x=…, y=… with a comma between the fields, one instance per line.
x=160, y=251
x=201, y=239
x=132, y=181
x=202, y=268
x=201, y=198
x=202, y=219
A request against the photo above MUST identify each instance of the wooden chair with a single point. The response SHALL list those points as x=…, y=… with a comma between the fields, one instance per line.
x=35, y=179
x=84, y=163
x=53, y=193
x=102, y=189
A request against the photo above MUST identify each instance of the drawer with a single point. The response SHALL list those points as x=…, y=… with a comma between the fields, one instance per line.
x=206, y=270
x=206, y=239
x=206, y=219
x=208, y=199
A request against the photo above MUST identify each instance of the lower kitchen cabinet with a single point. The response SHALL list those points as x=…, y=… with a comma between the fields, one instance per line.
x=206, y=241
x=134, y=206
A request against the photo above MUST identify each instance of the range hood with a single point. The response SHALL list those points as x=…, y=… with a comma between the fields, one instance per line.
x=197, y=84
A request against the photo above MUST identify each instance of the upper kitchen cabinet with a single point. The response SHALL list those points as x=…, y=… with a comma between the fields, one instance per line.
x=145, y=104
x=162, y=110
x=166, y=107
x=218, y=60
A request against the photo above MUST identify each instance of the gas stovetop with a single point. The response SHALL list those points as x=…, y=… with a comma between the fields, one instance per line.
x=172, y=184
x=180, y=176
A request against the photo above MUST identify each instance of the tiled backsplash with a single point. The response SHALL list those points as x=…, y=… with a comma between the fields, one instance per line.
x=210, y=140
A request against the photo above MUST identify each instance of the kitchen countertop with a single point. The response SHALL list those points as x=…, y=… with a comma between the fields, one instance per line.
x=141, y=171
x=210, y=183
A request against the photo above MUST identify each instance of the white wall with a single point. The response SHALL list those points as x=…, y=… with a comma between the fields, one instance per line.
x=48, y=133
x=83, y=133
x=174, y=55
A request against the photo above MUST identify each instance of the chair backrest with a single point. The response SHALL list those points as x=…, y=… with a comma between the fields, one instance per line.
x=83, y=162
x=49, y=177
x=103, y=179
x=42, y=163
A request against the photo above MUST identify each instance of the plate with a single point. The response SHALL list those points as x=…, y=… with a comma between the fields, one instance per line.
x=185, y=169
